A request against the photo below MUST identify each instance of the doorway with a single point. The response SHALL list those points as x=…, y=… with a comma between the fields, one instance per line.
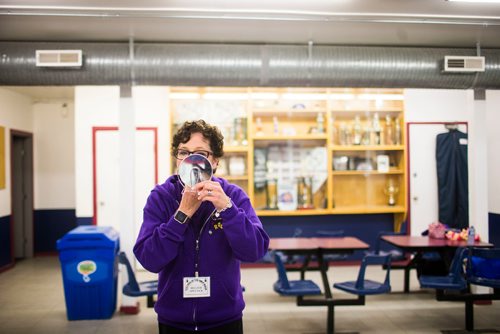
x=423, y=182
x=21, y=148
x=106, y=174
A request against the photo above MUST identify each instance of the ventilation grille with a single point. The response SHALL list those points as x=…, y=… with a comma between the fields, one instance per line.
x=463, y=64
x=59, y=58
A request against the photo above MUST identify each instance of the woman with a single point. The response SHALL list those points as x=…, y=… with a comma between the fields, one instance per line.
x=195, y=239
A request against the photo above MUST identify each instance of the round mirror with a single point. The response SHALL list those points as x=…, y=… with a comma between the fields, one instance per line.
x=194, y=169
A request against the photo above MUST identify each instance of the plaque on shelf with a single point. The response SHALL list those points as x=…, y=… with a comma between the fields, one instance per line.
x=287, y=199
x=341, y=163
x=237, y=166
x=382, y=163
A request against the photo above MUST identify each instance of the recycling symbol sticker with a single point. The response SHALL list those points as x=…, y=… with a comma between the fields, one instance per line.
x=86, y=268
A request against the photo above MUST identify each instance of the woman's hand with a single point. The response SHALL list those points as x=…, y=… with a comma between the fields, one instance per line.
x=189, y=202
x=212, y=191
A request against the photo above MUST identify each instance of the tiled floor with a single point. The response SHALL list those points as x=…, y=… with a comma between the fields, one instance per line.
x=32, y=301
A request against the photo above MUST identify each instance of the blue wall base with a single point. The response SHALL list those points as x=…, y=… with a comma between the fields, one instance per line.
x=363, y=227
x=5, y=246
x=84, y=220
x=51, y=225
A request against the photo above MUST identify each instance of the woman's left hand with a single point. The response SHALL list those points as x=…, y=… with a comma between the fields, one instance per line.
x=212, y=191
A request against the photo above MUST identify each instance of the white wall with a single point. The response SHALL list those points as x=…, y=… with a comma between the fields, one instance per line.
x=426, y=105
x=15, y=113
x=94, y=106
x=436, y=105
x=54, y=153
x=99, y=106
x=493, y=134
x=152, y=109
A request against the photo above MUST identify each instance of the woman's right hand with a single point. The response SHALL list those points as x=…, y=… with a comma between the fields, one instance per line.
x=189, y=201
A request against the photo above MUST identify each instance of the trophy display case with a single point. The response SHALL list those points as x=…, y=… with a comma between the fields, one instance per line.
x=307, y=151
x=368, y=154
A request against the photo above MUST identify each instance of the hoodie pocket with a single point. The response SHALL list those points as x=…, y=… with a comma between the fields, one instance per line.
x=171, y=304
x=225, y=302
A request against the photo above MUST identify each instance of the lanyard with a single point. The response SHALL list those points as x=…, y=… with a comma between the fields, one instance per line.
x=197, y=247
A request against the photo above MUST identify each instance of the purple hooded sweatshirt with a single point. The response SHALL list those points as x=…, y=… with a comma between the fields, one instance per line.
x=169, y=248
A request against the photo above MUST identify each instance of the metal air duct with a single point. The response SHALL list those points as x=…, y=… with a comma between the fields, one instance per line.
x=247, y=65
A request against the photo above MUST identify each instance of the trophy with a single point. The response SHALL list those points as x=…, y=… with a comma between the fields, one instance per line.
x=272, y=194
x=240, y=131
x=391, y=190
x=304, y=193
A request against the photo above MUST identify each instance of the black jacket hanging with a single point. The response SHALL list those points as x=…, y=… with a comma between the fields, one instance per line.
x=452, y=174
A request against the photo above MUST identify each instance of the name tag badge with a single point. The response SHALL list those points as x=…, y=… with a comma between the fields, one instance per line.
x=196, y=287
x=463, y=141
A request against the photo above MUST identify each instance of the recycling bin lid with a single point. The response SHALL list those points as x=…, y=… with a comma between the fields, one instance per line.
x=89, y=236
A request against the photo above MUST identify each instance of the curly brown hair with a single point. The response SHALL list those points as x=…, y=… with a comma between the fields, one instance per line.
x=210, y=132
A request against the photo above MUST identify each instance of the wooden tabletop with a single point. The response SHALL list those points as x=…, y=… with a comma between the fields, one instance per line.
x=332, y=244
x=292, y=244
x=345, y=243
x=409, y=242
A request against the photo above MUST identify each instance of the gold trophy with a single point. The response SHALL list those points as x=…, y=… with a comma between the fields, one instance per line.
x=272, y=194
x=304, y=193
x=391, y=190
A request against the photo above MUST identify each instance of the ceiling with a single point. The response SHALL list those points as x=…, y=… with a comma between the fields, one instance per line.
x=39, y=94
x=437, y=23
x=413, y=23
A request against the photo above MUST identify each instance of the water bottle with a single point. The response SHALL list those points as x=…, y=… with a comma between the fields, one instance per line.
x=471, y=235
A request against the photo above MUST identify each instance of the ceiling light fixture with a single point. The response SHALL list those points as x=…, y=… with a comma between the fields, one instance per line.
x=475, y=1
x=248, y=14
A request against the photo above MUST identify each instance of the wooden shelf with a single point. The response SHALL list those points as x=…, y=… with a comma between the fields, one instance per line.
x=353, y=112
x=235, y=149
x=357, y=209
x=309, y=212
x=235, y=178
x=367, y=147
x=360, y=209
x=363, y=172
x=306, y=137
x=268, y=112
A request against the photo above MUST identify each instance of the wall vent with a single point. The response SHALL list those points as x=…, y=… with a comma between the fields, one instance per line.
x=463, y=64
x=59, y=58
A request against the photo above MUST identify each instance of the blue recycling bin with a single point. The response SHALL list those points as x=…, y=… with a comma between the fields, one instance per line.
x=89, y=264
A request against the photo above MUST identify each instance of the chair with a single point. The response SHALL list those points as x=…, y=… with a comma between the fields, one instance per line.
x=483, y=267
x=363, y=286
x=455, y=280
x=134, y=288
x=399, y=260
x=285, y=287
